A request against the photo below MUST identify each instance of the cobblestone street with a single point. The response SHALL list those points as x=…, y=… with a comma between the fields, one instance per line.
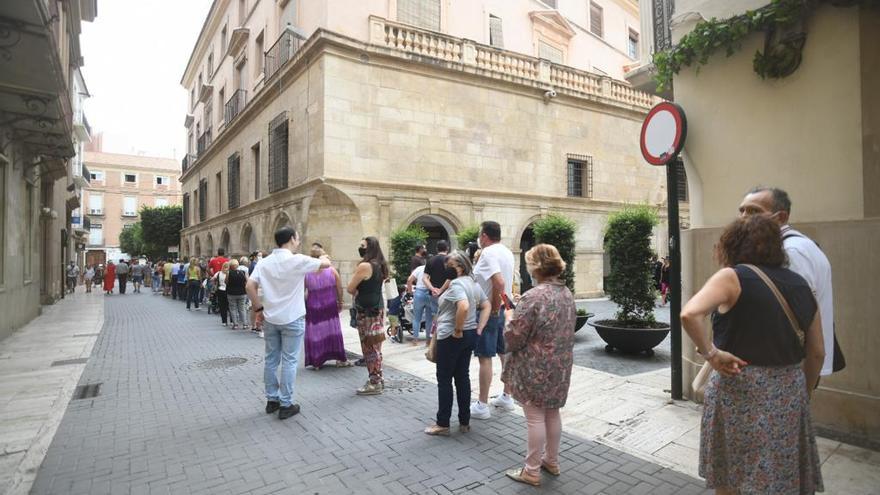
x=180, y=411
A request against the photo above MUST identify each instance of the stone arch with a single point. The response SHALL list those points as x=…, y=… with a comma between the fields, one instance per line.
x=186, y=249
x=197, y=247
x=281, y=220
x=248, y=239
x=224, y=241
x=209, y=245
x=440, y=224
x=525, y=240
x=333, y=220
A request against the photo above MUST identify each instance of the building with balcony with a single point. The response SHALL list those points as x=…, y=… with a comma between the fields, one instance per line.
x=815, y=133
x=119, y=186
x=40, y=85
x=347, y=119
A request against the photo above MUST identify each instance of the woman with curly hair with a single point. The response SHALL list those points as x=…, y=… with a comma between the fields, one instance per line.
x=366, y=287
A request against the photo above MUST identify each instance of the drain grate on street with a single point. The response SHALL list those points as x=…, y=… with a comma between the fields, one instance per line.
x=221, y=363
x=87, y=391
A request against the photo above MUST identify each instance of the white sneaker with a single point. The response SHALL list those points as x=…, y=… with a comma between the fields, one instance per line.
x=480, y=410
x=503, y=401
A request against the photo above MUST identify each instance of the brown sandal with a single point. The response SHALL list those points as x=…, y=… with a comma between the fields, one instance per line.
x=554, y=470
x=437, y=430
x=521, y=476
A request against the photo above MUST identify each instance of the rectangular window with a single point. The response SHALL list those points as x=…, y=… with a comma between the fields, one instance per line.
x=682, y=183
x=221, y=102
x=163, y=180
x=496, y=35
x=160, y=202
x=209, y=107
x=192, y=98
x=210, y=65
x=2, y=220
x=203, y=200
x=130, y=178
x=242, y=12
x=550, y=53
x=96, y=176
x=259, y=56
x=219, y=183
x=580, y=176
x=255, y=151
x=129, y=206
x=223, y=41
x=232, y=178
x=96, y=234
x=96, y=204
x=596, y=23
x=421, y=13
x=186, y=209
x=632, y=46
x=278, y=153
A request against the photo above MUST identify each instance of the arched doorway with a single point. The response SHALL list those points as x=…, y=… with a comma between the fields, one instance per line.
x=198, y=248
x=186, y=249
x=526, y=242
x=224, y=242
x=209, y=244
x=438, y=229
x=248, y=239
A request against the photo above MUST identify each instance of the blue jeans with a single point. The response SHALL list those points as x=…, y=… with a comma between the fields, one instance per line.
x=283, y=344
x=421, y=311
x=192, y=293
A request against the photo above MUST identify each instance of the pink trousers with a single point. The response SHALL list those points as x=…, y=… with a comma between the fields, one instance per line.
x=545, y=433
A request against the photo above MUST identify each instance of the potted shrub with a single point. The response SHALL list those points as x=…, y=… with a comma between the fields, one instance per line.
x=559, y=231
x=403, y=247
x=630, y=284
x=581, y=319
x=467, y=235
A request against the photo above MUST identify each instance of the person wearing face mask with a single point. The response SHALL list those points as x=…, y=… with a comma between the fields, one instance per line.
x=457, y=328
x=437, y=278
x=281, y=312
x=366, y=287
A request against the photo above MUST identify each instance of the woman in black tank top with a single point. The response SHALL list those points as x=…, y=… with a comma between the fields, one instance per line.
x=756, y=434
x=366, y=287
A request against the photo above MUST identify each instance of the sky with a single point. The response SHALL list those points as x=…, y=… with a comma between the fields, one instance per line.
x=135, y=54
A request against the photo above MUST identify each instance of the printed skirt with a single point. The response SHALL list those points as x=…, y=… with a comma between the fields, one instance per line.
x=756, y=435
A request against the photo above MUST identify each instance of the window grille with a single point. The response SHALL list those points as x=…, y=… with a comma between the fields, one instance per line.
x=203, y=200
x=496, y=34
x=682, y=183
x=278, y=153
x=186, y=209
x=596, y=24
x=550, y=53
x=580, y=176
x=422, y=13
x=233, y=194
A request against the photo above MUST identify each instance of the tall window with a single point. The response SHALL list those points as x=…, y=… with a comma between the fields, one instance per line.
x=422, y=13
x=203, y=200
x=550, y=53
x=223, y=41
x=596, y=23
x=219, y=182
x=255, y=152
x=129, y=206
x=242, y=12
x=580, y=176
x=29, y=222
x=186, y=209
x=160, y=202
x=210, y=65
x=682, y=183
x=278, y=153
x=96, y=204
x=96, y=234
x=192, y=98
x=129, y=178
x=221, y=102
x=232, y=178
x=96, y=175
x=259, y=56
x=632, y=44
x=496, y=35
x=163, y=180
x=2, y=220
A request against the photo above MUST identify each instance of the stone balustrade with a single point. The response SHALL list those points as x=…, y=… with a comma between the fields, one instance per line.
x=503, y=64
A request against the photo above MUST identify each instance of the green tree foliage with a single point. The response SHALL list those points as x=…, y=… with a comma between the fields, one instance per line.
x=403, y=247
x=161, y=225
x=559, y=231
x=467, y=235
x=131, y=240
x=631, y=283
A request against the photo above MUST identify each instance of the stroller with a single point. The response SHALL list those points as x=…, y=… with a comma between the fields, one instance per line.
x=213, y=302
x=400, y=309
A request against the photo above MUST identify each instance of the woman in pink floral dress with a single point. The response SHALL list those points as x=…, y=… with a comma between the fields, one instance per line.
x=539, y=336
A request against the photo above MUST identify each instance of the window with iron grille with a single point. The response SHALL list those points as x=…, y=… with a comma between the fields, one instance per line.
x=278, y=153
x=203, y=200
x=186, y=209
x=422, y=13
x=496, y=35
x=596, y=24
x=580, y=176
x=682, y=183
x=233, y=163
x=550, y=52
x=632, y=46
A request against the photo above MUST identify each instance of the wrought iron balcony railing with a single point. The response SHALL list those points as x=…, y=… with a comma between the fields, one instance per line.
x=235, y=105
x=187, y=162
x=282, y=51
x=203, y=142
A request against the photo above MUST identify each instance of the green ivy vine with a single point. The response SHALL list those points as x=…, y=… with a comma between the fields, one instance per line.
x=782, y=21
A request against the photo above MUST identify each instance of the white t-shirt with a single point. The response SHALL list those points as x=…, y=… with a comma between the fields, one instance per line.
x=243, y=268
x=807, y=260
x=281, y=276
x=496, y=258
x=221, y=281
x=419, y=274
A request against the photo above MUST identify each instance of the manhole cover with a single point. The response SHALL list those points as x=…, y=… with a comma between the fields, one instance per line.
x=221, y=363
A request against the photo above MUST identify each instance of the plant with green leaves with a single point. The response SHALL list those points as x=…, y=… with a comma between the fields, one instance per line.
x=558, y=230
x=131, y=240
x=631, y=284
x=403, y=247
x=161, y=225
x=467, y=235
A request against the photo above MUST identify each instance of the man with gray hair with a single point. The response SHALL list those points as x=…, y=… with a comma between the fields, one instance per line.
x=804, y=258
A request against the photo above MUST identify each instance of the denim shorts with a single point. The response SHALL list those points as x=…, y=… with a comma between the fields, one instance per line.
x=491, y=342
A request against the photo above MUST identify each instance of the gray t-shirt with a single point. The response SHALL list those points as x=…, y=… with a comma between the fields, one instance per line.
x=459, y=289
x=137, y=271
x=122, y=269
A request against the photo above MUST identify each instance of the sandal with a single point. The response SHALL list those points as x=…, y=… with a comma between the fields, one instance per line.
x=553, y=470
x=521, y=476
x=344, y=364
x=437, y=430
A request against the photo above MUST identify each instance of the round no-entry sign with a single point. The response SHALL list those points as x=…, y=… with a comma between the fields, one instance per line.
x=663, y=133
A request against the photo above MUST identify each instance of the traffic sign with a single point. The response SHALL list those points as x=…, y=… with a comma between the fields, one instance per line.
x=663, y=133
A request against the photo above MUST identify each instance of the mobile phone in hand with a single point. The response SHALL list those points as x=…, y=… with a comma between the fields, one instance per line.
x=508, y=304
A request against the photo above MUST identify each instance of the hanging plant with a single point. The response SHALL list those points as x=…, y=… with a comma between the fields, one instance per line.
x=782, y=21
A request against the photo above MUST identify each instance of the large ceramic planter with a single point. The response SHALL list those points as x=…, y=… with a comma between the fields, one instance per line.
x=629, y=340
x=580, y=321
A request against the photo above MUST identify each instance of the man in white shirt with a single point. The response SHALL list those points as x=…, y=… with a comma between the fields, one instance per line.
x=494, y=274
x=281, y=276
x=804, y=258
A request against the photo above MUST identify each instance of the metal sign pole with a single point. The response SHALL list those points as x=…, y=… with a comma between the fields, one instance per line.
x=674, y=273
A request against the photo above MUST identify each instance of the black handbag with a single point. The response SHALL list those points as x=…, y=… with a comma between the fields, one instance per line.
x=353, y=322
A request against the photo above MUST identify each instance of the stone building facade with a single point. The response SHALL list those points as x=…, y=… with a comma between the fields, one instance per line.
x=353, y=137
x=120, y=186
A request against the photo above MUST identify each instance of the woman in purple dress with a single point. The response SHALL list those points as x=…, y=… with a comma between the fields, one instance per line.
x=323, y=303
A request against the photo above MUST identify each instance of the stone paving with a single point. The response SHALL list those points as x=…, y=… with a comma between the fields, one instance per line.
x=180, y=411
